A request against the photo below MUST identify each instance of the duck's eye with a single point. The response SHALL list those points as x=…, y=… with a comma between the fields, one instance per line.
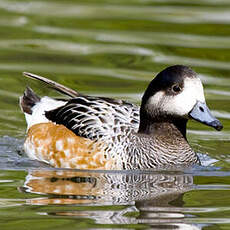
x=176, y=88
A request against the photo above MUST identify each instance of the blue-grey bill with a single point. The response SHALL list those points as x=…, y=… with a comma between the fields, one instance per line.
x=201, y=113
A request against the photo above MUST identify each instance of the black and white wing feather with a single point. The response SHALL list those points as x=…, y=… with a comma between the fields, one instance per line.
x=96, y=117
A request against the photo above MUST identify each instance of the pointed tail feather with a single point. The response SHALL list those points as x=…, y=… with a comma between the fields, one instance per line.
x=28, y=100
x=58, y=87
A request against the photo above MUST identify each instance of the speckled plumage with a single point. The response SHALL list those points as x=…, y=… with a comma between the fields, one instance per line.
x=115, y=123
x=155, y=137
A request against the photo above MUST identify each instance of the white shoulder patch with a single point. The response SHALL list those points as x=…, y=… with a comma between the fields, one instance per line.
x=38, y=111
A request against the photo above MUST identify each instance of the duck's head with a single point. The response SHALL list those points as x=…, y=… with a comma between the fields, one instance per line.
x=176, y=93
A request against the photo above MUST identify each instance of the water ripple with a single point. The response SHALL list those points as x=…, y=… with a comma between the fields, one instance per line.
x=74, y=69
x=170, y=14
x=75, y=48
x=213, y=64
x=142, y=37
x=210, y=135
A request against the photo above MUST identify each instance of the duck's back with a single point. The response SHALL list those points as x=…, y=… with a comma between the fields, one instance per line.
x=96, y=118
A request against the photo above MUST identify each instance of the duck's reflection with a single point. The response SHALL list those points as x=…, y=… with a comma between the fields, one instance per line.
x=64, y=186
x=149, y=198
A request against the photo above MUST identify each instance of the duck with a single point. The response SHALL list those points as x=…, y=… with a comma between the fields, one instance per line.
x=100, y=133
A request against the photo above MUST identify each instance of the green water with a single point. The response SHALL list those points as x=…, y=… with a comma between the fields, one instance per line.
x=113, y=48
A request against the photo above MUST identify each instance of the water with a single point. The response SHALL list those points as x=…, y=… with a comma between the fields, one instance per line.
x=113, y=48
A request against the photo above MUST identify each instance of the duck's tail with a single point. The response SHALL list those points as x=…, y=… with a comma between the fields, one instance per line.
x=54, y=85
x=28, y=100
x=34, y=107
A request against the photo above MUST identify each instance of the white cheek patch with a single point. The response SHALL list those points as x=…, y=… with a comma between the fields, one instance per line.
x=182, y=103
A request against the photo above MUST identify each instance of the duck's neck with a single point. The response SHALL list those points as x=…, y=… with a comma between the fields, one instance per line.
x=163, y=127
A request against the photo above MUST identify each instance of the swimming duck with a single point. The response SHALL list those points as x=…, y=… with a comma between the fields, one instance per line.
x=87, y=132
